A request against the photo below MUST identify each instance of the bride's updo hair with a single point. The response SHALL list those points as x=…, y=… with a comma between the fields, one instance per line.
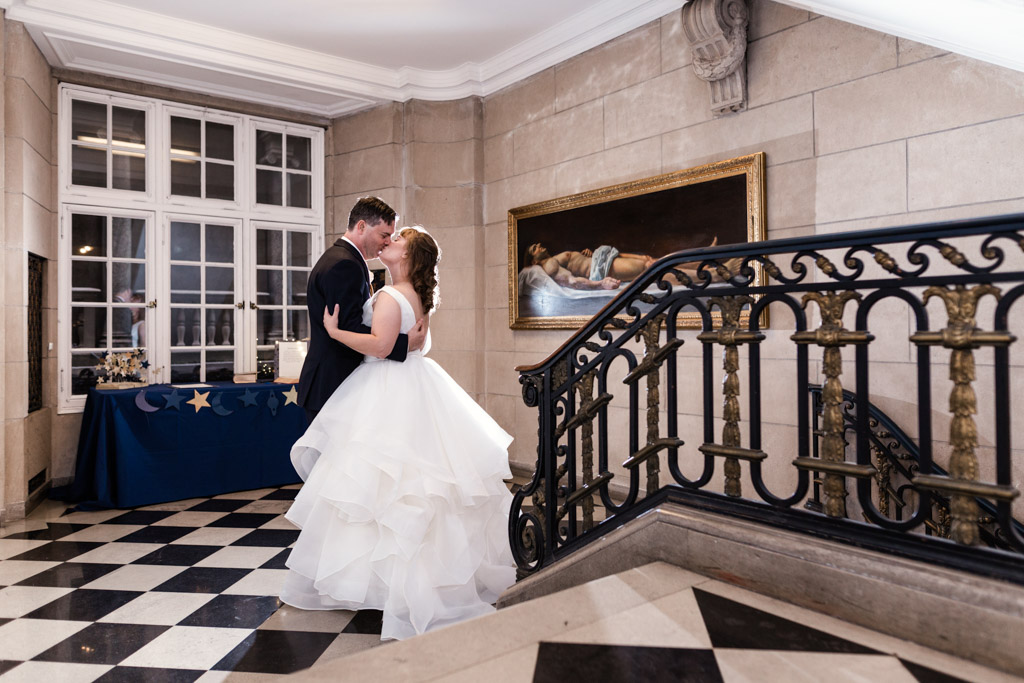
x=424, y=255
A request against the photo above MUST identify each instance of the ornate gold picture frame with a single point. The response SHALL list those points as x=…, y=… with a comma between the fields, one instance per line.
x=565, y=254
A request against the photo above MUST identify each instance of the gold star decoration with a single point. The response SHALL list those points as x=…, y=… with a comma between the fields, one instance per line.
x=291, y=396
x=199, y=400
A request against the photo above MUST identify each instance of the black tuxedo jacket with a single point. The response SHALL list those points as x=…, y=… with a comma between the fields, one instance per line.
x=339, y=277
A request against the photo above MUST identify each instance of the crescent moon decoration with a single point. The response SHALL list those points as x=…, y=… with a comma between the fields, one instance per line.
x=218, y=408
x=272, y=403
x=142, y=404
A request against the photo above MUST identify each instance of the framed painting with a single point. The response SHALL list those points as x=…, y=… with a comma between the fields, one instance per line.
x=570, y=256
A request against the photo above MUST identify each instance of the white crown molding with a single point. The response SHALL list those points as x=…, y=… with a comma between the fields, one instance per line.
x=988, y=30
x=129, y=36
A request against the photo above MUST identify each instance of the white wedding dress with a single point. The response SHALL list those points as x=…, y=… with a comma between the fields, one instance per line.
x=403, y=508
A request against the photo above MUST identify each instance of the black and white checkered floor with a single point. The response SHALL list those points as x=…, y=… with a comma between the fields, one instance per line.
x=187, y=591
x=182, y=591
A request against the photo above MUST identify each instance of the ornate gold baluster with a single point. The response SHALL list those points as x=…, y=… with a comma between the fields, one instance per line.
x=586, y=391
x=654, y=356
x=831, y=335
x=962, y=336
x=730, y=337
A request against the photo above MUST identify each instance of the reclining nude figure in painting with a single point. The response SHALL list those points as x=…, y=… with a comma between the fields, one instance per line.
x=603, y=268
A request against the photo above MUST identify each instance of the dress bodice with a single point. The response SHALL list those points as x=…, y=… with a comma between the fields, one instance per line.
x=408, y=317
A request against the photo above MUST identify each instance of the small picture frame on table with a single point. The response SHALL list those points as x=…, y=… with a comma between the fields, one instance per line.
x=288, y=359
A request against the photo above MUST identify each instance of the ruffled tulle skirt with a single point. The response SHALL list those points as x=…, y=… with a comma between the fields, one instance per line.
x=403, y=508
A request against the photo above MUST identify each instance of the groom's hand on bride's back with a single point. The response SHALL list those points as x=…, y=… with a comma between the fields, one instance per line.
x=418, y=334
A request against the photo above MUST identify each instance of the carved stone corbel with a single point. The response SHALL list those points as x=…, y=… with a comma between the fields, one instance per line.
x=717, y=31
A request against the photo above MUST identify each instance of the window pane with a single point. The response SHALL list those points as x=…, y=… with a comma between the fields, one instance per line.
x=299, y=191
x=129, y=282
x=185, y=136
x=129, y=126
x=268, y=287
x=297, y=288
x=220, y=141
x=268, y=247
x=268, y=326
x=268, y=148
x=88, y=122
x=88, y=166
x=185, y=284
x=88, y=235
x=268, y=187
x=185, y=327
x=184, y=241
x=185, y=366
x=220, y=285
x=185, y=177
x=83, y=372
x=299, y=248
x=128, y=238
x=298, y=324
x=220, y=243
x=88, y=327
x=266, y=368
x=129, y=171
x=220, y=366
x=298, y=153
x=88, y=281
x=121, y=326
x=225, y=328
x=220, y=181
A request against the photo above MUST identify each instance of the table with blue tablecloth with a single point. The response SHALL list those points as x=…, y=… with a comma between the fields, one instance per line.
x=154, y=444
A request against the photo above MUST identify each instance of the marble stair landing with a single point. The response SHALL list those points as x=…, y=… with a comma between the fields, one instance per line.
x=657, y=622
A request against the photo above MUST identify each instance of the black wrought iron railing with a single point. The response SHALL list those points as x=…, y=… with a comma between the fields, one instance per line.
x=901, y=313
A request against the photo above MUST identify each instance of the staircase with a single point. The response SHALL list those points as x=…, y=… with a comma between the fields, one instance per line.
x=655, y=622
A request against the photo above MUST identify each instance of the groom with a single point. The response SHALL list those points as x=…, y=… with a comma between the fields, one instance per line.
x=342, y=277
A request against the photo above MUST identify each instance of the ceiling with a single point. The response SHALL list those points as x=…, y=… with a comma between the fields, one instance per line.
x=331, y=57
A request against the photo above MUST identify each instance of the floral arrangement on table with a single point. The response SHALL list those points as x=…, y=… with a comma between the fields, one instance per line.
x=122, y=369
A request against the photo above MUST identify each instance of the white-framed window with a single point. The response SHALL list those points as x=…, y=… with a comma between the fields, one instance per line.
x=165, y=243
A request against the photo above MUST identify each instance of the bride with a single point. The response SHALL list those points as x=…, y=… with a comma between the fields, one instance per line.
x=403, y=508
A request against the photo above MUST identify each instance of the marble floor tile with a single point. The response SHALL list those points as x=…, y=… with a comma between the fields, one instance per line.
x=350, y=643
x=280, y=522
x=559, y=662
x=187, y=647
x=104, y=533
x=258, y=582
x=279, y=538
x=283, y=493
x=183, y=555
x=12, y=547
x=34, y=672
x=174, y=506
x=217, y=505
x=755, y=666
x=159, y=609
x=69, y=575
x=140, y=517
x=290, y=618
x=204, y=580
x=275, y=507
x=25, y=638
x=248, y=520
x=239, y=556
x=278, y=561
x=53, y=531
x=135, y=577
x=57, y=551
x=21, y=526
x=234, y=611
x=17, y=601
x=245, y=495
x=671, y=621
x=13, y=571
x=513, y=667
x=134, y=674
x=90, y=516
x=102, y=644
x=212, y=536
x=190, y=518
x=116, y=553
x=83, y=605
x=279, y=652
x=158, y=534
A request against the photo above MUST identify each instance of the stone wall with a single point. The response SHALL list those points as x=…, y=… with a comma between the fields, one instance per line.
x=860, y=129
x=30, y=226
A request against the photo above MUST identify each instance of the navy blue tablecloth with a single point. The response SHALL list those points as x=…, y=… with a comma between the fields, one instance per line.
x=150, y=445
